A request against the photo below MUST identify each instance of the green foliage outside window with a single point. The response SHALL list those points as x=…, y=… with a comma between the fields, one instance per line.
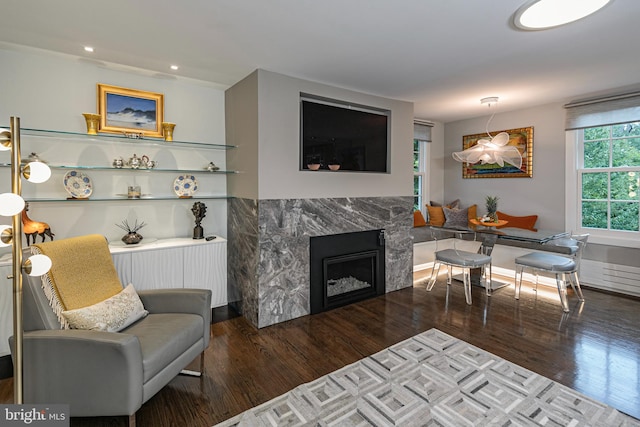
x=610, y=198
x=417, y=190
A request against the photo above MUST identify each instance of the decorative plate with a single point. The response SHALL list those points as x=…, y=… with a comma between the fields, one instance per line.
x=78, y=184
x=185, y=185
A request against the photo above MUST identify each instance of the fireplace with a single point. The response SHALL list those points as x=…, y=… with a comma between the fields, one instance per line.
x=346, y=268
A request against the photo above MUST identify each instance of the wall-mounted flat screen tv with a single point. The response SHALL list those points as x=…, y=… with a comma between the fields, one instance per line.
x=337, y=136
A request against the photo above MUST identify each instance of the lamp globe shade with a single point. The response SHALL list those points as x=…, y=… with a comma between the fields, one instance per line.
x=40, y=264
x=37, y=172
x=11, y=204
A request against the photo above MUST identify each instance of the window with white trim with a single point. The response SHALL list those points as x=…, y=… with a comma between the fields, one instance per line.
x=603, y=169
x=421, y=140
x=609, y=177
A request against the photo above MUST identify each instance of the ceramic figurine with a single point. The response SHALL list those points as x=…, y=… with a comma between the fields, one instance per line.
x=134, y=162
x=118, y=163
x=33, y=229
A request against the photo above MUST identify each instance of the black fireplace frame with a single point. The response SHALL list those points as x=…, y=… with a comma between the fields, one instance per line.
x=345, y=245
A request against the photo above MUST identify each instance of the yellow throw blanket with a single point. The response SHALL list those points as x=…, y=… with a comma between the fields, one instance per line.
x=82, y=273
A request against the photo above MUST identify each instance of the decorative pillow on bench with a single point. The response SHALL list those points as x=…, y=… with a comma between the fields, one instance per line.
x=527, y=222
x=451, y=215
x=418, y=219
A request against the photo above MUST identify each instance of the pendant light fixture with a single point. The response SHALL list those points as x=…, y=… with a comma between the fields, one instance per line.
x=495, y=149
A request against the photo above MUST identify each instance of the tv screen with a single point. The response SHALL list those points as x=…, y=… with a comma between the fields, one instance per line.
x=342, y=137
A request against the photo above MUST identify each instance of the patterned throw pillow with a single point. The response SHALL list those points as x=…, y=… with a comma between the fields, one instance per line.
x=456, y=218
x=111, y=315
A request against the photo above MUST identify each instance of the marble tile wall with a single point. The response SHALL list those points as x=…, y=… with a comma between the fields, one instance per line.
x=278, y=289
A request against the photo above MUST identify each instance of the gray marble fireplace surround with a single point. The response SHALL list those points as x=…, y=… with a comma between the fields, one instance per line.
x=268, y=248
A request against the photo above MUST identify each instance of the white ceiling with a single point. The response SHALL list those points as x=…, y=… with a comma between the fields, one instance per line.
x=443, y=55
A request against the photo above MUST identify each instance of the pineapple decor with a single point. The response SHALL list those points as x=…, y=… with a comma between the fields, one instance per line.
x=492, y=207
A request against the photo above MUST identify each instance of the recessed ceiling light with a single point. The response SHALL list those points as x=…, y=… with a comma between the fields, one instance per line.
x=174, y=67
x=88, y=49
x=542, y=14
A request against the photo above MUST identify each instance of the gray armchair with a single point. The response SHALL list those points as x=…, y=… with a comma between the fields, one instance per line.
x=111, y=373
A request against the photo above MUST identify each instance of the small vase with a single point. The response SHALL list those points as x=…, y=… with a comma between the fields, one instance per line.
x=131, y=238
x=93, y=123
x=167, y=130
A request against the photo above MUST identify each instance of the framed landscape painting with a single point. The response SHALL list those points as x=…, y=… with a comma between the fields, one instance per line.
x=126, y=111
x=521, y=138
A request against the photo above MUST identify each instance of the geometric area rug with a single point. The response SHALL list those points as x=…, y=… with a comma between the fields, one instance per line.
x=432, y=379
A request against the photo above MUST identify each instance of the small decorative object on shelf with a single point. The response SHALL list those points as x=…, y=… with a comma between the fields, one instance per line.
x=33, y=229
x=492, y=207
x=118, y=163
x=78, y=185
x=93, y=123
x=314, y=163
x=211, y=167
x=33, y=157
x=148, y=163
x=133, y=135
x=134, y=162
x=133, y=192
x=132, y=237
x=334, y=164
x=167, y=130
x=185, y=186
x=199, y=210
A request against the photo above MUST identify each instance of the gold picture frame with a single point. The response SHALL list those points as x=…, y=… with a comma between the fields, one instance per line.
x=521, y=138
x=130, y=111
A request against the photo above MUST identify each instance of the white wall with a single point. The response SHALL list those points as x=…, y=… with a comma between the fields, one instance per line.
x=51, y=91
x=435, y=168
x=279, y=144
x=241, y=103
x=543, y=194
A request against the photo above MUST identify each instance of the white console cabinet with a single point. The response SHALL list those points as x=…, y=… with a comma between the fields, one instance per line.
x=174, y=263
x=6, y=306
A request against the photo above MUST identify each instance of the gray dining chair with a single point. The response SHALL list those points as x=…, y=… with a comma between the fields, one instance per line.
x=464, y=260
x=559, y=265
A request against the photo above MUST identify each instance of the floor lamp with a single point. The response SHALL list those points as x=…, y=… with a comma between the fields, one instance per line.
x=12, y=204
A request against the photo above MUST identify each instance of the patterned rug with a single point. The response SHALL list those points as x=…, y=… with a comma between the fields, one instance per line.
x=432, y=379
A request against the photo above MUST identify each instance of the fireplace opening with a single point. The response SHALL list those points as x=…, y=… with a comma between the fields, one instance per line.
x=346, y=268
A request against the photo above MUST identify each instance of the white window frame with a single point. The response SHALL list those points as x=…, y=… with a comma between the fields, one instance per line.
x=573, y=199
x=424, y=149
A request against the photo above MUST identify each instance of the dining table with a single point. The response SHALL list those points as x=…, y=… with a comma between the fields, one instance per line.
x=489, y=235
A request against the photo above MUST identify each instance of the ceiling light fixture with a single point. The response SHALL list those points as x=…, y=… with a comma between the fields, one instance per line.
x=492, y=150
x=88, y=49
x=543, y=14
x=174, y=67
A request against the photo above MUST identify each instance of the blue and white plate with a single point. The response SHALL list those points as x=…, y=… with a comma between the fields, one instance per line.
x=78, y=184
x=185, y=185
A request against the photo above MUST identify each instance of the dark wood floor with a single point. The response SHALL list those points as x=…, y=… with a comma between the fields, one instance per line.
x=594, y=349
